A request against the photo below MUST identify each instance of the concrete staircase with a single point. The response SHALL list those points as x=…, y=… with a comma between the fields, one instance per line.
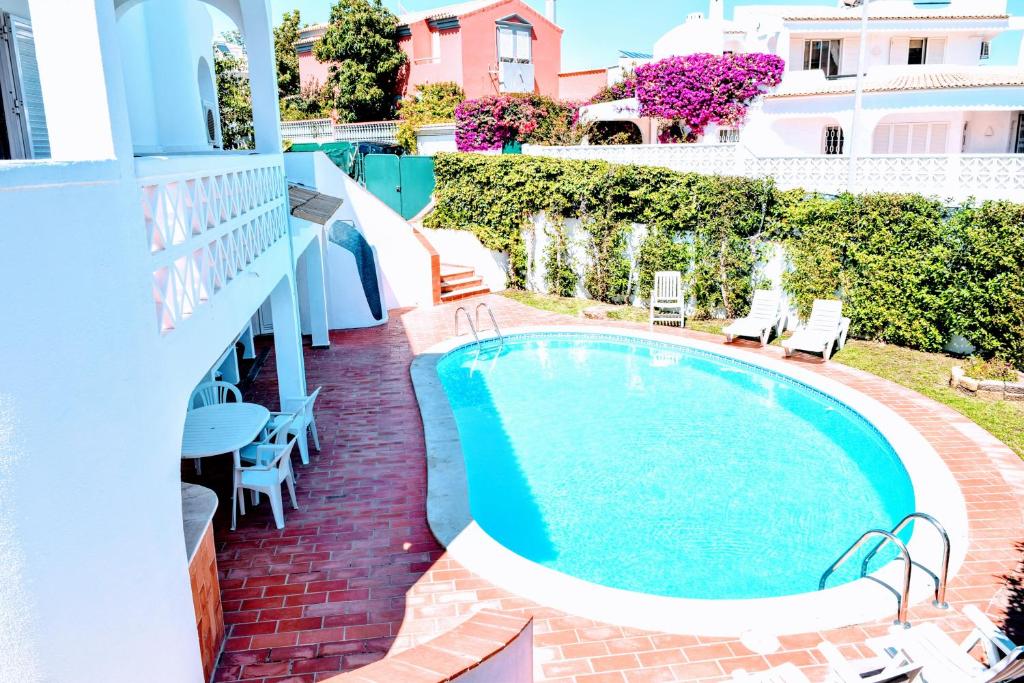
x=460, y=282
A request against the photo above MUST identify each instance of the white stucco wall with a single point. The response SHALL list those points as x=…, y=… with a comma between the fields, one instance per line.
x=162, y=46
x=404, y=263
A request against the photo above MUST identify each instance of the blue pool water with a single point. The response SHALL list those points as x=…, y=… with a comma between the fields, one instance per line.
x=666, y=470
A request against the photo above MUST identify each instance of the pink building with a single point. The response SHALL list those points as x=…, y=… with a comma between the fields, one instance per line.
x=486, y=46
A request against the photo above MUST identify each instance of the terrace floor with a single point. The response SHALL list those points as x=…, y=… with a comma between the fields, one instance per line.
x=356, y=573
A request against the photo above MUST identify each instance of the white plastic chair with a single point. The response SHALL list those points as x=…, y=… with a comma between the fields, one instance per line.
x=944, y=661
x=301, y=409
x=842, y=671
x=823, y=330
x=765, y=315
x=213, y=393
x=273, y=466
x=667, y=296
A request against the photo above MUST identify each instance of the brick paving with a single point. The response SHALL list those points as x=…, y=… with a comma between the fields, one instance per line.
x=356, y=573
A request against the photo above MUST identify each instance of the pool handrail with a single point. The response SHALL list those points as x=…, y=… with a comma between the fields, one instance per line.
x=494, y=321
x=472, y=327
x=942, y=578
x=889, y=537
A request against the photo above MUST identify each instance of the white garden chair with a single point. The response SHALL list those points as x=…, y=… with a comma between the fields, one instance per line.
x=944, y=661
x=210, y=394
x=301, y=409
x=213, y=393
x=272, y=466
x=667, y=296
x=765, y=315
x=825, y=328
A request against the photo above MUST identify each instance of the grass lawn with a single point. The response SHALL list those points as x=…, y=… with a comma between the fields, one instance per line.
x=925, y=373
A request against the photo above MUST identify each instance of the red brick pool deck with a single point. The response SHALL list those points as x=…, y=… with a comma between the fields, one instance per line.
x=356, y=573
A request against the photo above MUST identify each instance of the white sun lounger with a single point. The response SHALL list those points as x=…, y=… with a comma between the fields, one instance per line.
x=944, y=661
x=825, y=328
x=765, y=315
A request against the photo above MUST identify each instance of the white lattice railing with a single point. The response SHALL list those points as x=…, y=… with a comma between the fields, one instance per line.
x=954, y=176
x=207, y=219
x=321, y=130
x=307, y=131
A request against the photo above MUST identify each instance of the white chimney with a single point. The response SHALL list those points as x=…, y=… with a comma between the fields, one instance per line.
x=716, y=10
x=550, y=12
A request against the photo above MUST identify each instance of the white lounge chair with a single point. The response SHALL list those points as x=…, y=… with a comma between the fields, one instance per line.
x=787, y=673
x=825, y=328
x=667, y=296
x=944, y=661
x=875, y=670
x=765, y=315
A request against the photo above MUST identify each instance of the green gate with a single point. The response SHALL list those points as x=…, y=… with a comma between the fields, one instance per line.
x=403, y=183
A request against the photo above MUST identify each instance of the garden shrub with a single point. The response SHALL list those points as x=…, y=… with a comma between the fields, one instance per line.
x=884, y=255
x=986, y=296
x=994, y=369
x=559, y=271
x=433, y=103
x=489, y=123
x=909, y=271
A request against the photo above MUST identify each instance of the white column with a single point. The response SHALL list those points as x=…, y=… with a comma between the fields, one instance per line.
x=80, y=76
x=291, y=369
x=316, y=293
x=259, y=46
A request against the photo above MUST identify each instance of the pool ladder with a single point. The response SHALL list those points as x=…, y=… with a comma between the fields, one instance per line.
x=475, y=328
x=890, y=537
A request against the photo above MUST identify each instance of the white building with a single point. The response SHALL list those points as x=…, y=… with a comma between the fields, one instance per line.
x=927, y=88
x=133, y=253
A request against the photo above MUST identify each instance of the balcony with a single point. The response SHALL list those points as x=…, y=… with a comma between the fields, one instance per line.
x=207, y=219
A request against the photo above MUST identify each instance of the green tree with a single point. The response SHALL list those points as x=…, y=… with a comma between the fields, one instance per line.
x=434, y=103
x=366, y=62
x=285, y=36
x=235, y=100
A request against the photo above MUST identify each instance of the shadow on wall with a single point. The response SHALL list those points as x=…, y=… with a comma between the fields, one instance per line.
x=1014, y=590
x=345, y=235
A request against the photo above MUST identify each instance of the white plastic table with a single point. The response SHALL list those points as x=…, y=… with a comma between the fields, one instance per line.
x=222, y=428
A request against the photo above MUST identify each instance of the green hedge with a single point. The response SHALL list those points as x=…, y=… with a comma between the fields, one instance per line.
x=909, y=271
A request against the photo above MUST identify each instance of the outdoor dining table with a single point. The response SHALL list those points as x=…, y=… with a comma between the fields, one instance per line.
x=222, y=428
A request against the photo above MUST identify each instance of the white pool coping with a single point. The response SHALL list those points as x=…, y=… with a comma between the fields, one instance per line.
x=864, y=600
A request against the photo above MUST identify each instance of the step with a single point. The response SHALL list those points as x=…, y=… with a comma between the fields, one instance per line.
x=452, y=285
x=464, y=294
x=449, y=271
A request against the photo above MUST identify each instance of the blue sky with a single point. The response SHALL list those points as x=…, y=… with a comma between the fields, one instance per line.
x=596, y=29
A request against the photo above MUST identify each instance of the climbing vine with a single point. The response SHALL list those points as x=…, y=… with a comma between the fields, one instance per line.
x=559, y=271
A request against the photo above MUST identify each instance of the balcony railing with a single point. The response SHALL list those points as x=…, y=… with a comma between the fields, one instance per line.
x=321, y=130
x=955, y=176
x=207, y=219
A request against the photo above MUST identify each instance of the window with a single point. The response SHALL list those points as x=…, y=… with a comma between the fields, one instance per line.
x=435, y=44
x=515, y=43
x=834, y=140
x=910, y=138
x=824, y=55
x=22, y=118
x=728, y=136
x=1018, y=146
x=986, y=49
x=917, y=51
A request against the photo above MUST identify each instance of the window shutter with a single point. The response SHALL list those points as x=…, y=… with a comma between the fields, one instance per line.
x=16, y=142
x=936, y=52
x=506, y=44
x=899, y=51
x=524, y=40
x=900, y=138
x=919, y=138
x=880, y=140
x=937, y=145
x=31, y=91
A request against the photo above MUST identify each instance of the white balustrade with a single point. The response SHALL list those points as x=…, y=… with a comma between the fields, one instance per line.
x=207, y=219
x=952, y=177
x=322, y=130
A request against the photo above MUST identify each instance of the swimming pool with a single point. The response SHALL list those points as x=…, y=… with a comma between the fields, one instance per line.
x=647, y=481
x=666, y=470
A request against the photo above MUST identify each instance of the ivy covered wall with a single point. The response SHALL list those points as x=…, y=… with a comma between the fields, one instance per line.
x=910, y=271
